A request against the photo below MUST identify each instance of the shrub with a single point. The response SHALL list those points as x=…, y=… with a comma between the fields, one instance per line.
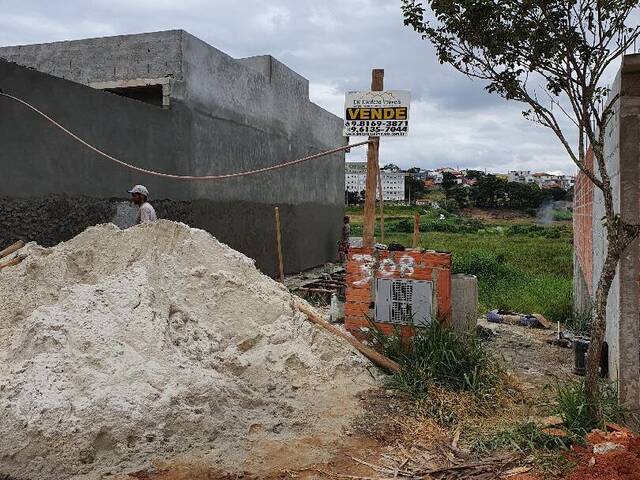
x=562, y=215
x=573, y=407
x=403, y=226
x=452, y=205
x=484, y=264
x=580, y=322
x=440, y=356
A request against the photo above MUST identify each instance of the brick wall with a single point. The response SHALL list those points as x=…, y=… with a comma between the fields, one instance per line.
x=366, y=264
x=583, y=223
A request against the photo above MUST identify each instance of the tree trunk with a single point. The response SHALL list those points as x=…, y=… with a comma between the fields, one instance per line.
x=592, y=383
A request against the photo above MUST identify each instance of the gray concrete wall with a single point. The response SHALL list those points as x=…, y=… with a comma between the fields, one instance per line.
x=226, y=116
x=464, y=301
x=629, y=271
x=622, y=150
x=122, y=57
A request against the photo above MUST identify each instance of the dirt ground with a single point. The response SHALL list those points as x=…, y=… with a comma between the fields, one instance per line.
x=386, y=430
x=527, y=354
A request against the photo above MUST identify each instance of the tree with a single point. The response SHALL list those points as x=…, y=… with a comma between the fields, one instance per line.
x=353, y=198
x=414, y=170
x=525, y=196
x=413, y=187
x=448, y=180
x=391, y=167
x=460, y=194
x=559, y=193
x=474, y=174
x=550, y=55
x=490, y=192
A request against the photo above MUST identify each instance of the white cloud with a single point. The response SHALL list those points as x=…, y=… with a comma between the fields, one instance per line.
x=454, y=121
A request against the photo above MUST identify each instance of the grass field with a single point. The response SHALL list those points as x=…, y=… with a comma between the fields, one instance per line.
x=520, y=266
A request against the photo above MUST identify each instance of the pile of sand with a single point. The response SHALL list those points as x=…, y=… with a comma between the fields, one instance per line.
x=119, y=348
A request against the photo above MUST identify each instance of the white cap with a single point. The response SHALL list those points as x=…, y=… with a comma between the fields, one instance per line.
x=141, y=189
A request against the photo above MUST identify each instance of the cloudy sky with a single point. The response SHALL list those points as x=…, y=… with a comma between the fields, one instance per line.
x=335, y=44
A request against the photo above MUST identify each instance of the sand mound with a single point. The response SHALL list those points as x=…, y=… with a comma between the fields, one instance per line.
x=118, y=348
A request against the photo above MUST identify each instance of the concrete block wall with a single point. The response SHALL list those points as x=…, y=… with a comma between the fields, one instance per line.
x=628, y=142
x=364, y=265
x=121, y=57
x=225, y=115
x=622, y=150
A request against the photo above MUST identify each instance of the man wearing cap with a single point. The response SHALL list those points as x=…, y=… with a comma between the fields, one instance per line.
x=146, y=212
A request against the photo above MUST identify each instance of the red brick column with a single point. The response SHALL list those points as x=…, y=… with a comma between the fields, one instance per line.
x=583, y=222
x=364, y=265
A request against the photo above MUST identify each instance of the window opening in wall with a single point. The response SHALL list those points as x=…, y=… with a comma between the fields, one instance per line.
x=151, y=94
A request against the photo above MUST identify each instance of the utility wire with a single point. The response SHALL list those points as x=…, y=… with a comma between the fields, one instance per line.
x=174, y=176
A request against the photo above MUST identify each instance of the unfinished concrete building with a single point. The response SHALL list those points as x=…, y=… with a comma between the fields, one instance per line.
x=622, y=146
x=169, y=102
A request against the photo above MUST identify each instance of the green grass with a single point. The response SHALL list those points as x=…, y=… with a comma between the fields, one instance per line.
x=520, y=266
x=526, y=437
x=562, y=215
x=547, y=452
x=529, y=274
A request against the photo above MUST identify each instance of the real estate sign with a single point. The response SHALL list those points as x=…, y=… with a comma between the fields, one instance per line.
x=377, y=114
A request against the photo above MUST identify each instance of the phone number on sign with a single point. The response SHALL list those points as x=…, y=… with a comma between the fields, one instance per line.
x=376, y=126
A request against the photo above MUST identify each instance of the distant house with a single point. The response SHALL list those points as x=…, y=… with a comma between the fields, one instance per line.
x=519, y=176
x=469, y=182
x=436, y=176
x=542, y=179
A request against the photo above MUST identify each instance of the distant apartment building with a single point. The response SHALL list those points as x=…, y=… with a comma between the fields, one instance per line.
x=392, y=181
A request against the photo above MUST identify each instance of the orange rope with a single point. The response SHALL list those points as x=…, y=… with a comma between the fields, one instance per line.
x=173, y=176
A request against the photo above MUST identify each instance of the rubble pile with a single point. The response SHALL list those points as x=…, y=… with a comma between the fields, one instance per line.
x=608, y=455
x=122, y=347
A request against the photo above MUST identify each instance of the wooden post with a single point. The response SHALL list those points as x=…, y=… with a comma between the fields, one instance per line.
x=416, y=229
x=279, y=245
x=12, y=248
x=377, y=84
x=381, y=203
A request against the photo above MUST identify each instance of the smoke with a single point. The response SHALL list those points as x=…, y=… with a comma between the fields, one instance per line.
x=544, y=216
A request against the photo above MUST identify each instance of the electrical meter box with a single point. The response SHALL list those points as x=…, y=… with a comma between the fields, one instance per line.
x=403, y=302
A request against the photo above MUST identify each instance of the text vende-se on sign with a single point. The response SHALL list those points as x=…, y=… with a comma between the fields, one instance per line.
x=377, y=114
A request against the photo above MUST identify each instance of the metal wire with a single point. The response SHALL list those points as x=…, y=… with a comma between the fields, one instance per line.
x=174, y=176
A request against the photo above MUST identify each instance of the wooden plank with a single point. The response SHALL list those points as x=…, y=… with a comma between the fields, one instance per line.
x=12, y=248
x=12, y=262
x=370, y=353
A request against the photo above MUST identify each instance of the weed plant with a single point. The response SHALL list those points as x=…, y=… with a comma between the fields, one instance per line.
x=439, y=356
x=572, y=406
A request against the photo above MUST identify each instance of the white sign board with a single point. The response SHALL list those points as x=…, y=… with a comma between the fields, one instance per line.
x=377, y=114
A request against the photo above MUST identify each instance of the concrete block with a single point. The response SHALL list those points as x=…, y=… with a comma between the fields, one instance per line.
x=464, y=301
